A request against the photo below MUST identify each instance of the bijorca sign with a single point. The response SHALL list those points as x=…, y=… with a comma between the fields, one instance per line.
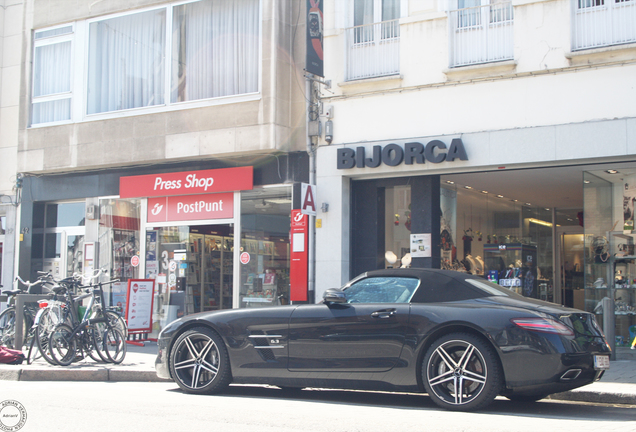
x=434, y=151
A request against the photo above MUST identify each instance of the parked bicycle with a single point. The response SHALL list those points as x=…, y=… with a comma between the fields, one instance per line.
x=8, y=317
x=98, y=334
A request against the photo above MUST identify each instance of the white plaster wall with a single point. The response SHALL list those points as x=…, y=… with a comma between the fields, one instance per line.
x=11, y=19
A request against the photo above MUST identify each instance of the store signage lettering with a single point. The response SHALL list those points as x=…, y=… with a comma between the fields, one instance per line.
x=393, y=154
x=191, y=207
x=188, y=182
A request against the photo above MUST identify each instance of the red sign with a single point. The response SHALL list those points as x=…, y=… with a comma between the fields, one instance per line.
x=298, y=266
x=191, y=207
x=187, y=183
x=134, y=260
x=245, y=258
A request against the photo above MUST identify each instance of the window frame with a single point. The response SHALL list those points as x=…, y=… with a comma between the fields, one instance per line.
x=79, y=71
x=49, y=41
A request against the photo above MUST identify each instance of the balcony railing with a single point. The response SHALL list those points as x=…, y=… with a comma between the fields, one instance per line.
x=481, y=34
x=600, y=23
x=373, y=50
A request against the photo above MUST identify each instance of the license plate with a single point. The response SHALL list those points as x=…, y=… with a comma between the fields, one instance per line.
x=601, y=362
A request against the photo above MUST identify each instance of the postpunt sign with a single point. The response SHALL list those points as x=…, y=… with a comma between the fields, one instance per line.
x=187, y=183
x=191, y=207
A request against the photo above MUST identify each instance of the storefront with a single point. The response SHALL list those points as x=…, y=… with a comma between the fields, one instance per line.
x=551, y=231
x=210, y=237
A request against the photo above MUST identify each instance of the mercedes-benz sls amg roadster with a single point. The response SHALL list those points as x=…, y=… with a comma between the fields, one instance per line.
x=458, y=338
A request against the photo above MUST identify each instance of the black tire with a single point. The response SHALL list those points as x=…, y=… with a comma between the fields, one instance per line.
x=92, y=339
x=464, y=362
x=118, y=322
x=114, y=344
x=62, y=345
x=199, y=362
x=34, y=351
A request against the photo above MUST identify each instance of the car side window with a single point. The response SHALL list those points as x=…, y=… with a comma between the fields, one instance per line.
x=382, y=290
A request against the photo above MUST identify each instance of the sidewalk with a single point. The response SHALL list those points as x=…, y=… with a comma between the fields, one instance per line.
x=618, y=385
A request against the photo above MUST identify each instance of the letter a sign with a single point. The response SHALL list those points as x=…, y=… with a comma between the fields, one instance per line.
x=308, y=199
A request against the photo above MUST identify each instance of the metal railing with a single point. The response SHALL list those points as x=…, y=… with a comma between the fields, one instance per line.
x=598, y=23
x=372, y=50
x=481, y=34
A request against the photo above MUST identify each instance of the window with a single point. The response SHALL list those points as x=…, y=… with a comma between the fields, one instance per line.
x=52, y=75
x=215, y=49
x=367, y=12
x=126, y=62
x=154, y=58
x=382, y=290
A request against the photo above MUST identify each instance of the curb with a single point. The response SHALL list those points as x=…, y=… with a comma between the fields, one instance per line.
x=595, y=397
x=85, y=374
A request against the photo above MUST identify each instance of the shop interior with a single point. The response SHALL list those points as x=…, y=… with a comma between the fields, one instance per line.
x=562, y=234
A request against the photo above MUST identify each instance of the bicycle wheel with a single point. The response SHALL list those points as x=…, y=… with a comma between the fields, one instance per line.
x=114, y=344
x=62, y=345
x=117, y=321
x=34, y=352
x=49, y=319
x=95, y=335
x=7, y=328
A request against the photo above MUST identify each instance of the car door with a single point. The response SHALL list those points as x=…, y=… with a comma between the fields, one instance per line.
x=364, y=334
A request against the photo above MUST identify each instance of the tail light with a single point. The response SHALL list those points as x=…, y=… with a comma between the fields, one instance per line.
x=543, y=325
x=43, y=304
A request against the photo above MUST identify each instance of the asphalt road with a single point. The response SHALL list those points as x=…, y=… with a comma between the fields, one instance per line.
x=156, y=407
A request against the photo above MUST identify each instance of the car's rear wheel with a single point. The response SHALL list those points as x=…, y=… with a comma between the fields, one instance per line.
x=461, y=372
x=199, y=361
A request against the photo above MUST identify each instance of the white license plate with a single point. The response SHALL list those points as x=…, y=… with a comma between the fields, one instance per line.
x=601, y=362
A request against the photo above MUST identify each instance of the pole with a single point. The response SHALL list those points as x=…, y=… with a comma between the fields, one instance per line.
x=311, y=265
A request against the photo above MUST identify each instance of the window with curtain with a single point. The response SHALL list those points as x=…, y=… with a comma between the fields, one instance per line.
x=126, y=62
x=215, y=49
x=52, y=75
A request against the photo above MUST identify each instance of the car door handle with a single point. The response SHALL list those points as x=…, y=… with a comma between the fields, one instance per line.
x=383, y=314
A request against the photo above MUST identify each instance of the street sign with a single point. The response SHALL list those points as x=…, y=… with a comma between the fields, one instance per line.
x=308, y=199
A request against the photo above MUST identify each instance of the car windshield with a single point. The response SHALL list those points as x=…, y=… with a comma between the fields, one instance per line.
x=489, y=288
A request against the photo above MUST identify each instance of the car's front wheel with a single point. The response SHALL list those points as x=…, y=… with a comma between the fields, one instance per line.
x=199, y=361
x=461, y=372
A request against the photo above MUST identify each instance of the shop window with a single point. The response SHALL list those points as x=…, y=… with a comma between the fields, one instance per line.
x=66, y=214
x=265, y=225
x=119, y=236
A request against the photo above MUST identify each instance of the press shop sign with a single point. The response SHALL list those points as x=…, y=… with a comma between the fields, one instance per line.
x=191, y=207
x=187, y=182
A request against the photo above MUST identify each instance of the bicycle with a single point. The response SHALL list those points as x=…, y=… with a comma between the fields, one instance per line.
x=8, y=316
x=94, y=333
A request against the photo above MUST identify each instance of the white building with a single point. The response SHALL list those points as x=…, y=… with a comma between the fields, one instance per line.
x=539, y=94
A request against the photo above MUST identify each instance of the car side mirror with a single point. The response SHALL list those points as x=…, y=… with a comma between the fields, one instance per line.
x=334, y=295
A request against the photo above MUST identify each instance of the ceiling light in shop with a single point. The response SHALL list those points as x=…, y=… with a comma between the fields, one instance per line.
x=468, y=187
x=540, y=222
x=528, y=204
x=484, y=192
x=500, y=196
x=611, y=171
x=450, y=182
x=587, y=181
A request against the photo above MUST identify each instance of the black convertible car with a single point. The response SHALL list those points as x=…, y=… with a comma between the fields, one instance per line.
x=459, y=338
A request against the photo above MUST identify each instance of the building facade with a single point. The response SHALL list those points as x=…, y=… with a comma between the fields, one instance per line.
x=203, y=99
x=496, y=138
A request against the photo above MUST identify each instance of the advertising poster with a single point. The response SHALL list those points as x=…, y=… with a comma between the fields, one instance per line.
x=119, y=295
x=629, y=197
x=139, y=305
x=421, y=246
x=314, y=53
